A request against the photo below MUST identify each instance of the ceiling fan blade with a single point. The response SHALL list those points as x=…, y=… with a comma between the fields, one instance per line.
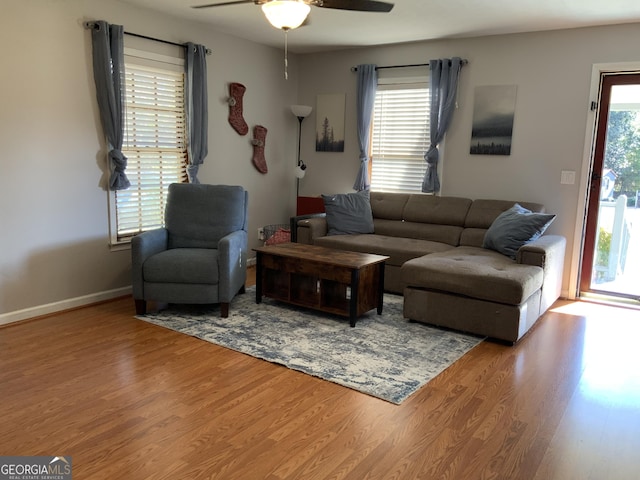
x=358, y=5
x=222, y=4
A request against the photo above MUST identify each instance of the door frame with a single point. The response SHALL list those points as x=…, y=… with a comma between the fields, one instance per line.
x=597, y=71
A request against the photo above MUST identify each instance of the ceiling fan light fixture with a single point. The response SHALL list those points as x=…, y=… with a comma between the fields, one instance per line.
x=286, y=14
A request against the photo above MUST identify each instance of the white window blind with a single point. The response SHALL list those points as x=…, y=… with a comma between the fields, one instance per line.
x=154, y=144
x=400, y=137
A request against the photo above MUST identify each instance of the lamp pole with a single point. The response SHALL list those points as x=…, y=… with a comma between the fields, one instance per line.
x=302, y=166
x=301, y=112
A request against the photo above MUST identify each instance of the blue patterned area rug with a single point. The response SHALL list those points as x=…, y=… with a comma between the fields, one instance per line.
x=385, y=356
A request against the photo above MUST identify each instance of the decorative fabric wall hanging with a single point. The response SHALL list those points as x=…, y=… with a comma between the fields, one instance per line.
x=236, y=120
x=258, y=142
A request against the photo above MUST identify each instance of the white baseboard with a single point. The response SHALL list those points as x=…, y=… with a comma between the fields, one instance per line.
x=54, y=307
x=251, y=261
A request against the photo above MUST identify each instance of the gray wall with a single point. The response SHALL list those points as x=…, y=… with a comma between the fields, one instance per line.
x=553, y=74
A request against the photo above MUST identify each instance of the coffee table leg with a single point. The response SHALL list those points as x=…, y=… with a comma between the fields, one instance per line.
x=380, y=287
x=353, y=304
x=259, y=277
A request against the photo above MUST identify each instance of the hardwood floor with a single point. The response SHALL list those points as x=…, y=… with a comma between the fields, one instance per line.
x=130, y=400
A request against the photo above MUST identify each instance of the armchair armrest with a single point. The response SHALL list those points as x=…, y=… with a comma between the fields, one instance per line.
x=308, y=227
x=143, y=246
x=546, y=252
x=232, y=264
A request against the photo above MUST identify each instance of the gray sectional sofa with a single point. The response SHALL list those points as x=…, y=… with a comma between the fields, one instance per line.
x=438, y=262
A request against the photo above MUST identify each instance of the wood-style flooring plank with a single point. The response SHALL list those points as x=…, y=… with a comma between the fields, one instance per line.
x=128, y=399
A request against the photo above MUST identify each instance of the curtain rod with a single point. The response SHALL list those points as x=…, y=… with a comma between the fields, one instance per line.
x=355, y=69
x=92, y=25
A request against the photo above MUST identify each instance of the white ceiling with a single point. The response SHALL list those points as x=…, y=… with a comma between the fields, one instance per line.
x=410, y=20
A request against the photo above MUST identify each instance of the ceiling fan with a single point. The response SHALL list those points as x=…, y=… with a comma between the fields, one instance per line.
x=290, y=14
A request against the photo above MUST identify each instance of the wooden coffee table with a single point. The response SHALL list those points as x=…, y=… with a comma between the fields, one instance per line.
x=334, y=281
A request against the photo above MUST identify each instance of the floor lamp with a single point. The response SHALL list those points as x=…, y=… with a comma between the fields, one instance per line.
x=300, y=111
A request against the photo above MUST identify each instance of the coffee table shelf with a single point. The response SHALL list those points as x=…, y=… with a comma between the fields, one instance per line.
x=333, y=281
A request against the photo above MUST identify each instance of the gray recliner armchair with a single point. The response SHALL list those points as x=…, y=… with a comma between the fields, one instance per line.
x=200, y=256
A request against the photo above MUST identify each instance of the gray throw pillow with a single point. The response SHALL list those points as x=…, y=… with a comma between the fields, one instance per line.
x=348, y=213
x=514, y=228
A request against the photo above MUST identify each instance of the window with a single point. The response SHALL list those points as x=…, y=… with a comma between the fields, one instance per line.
x=400, y=135
x=154, y=142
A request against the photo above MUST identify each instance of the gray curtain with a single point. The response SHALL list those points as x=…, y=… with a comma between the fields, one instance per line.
x=108, y=75
x=366, y=96
x=196, y=103
x=443, y=84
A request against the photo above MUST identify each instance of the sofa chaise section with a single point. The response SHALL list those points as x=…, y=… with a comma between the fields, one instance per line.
x=477, y=290
x=474, y=290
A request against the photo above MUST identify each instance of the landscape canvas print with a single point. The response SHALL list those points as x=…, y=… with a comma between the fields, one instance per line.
x=493, y=112
x=330, y=122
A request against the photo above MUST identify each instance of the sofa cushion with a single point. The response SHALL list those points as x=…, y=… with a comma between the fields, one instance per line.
x=437, y=210
x=449, y=234
x=515, y=227
x=483, y=212
x=182, y=265
x=472, y=237
x=398, y=249
x=474, y=272
x=388, y=205
x=348, y=213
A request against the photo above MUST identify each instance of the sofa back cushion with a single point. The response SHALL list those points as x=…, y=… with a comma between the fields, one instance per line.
x=419, y=216
x=436, y=210
x=388, y=205
x=482, y=214
x=448, y=234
